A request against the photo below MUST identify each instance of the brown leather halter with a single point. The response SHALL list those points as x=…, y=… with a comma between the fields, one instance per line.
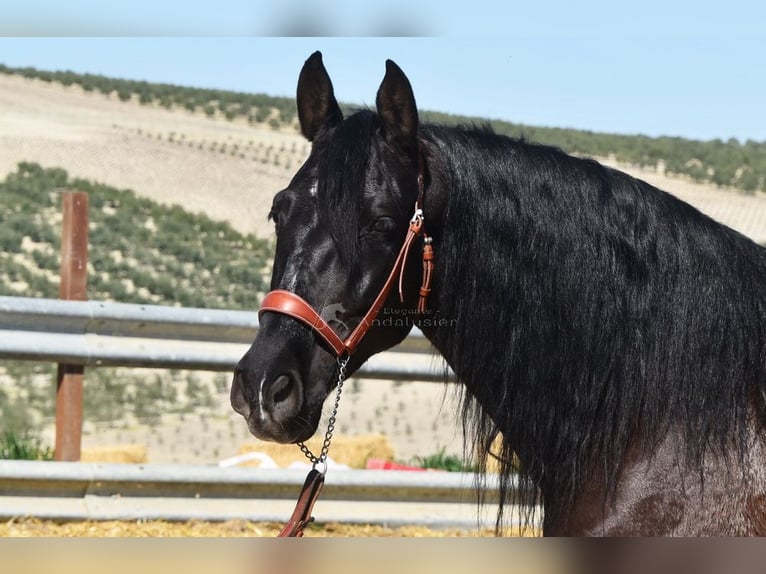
x=292, y=305
x=288, y=303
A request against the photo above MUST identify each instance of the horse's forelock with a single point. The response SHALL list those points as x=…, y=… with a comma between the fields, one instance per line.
x=344, y=161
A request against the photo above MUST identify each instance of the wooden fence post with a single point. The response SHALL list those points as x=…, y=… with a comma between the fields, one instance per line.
x=74, y=285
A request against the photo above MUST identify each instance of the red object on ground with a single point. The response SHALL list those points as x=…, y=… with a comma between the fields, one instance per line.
x=380, y=464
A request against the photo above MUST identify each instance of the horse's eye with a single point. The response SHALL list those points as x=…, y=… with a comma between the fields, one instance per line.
x=383, y=225
x=274, y=216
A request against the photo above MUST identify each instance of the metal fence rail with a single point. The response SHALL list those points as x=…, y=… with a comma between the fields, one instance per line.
x=95, y=333
x=89, y=491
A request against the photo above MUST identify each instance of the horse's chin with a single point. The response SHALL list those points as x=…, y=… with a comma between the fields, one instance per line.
x=285, y=432
x=280, y=437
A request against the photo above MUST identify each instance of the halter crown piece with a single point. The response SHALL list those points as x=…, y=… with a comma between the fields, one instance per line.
x=292, y=305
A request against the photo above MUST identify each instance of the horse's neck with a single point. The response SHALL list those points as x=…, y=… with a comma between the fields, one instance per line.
x=470, y=320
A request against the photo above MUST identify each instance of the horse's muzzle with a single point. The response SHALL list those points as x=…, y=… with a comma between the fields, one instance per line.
x=270, y=405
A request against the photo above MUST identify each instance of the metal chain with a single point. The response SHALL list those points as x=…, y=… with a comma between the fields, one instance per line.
x=322, y=458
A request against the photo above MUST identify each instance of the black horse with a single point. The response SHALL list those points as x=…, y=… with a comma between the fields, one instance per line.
x=611, y=335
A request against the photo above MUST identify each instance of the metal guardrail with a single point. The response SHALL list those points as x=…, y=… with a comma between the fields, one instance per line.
x=95, y=333
x=116, y=334
x=91, y=491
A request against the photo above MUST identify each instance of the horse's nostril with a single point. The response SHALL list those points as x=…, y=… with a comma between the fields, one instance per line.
x=283, y=397
x=238, y=395
x=281, y=389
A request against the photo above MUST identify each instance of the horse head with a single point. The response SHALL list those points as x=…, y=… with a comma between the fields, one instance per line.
x=340, y=225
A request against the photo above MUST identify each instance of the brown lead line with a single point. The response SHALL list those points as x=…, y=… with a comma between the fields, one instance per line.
x=301, y=516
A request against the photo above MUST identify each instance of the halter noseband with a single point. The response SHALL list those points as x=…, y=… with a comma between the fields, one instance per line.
x=292, y=305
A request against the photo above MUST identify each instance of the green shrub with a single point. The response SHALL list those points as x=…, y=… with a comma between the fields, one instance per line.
x=442, y=461
x=180, y=259
x=22, y=446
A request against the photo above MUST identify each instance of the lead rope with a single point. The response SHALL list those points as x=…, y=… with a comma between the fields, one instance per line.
x=301, y=516
x=322, y=458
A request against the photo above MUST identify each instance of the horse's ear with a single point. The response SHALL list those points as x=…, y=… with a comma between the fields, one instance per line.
x=317, y=107
x=397, y=110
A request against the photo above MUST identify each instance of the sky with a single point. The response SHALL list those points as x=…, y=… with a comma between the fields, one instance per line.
x=690, y=69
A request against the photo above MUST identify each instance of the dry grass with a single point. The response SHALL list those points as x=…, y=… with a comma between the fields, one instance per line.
x=351, y=451
x=126, y=453
x=31, y=527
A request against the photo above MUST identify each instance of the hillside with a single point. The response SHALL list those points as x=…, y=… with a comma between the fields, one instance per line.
x=229, y=169
x=140, y=251
x=740, y=165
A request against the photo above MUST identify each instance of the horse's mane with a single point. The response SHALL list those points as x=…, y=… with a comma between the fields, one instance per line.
x=592, y=311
